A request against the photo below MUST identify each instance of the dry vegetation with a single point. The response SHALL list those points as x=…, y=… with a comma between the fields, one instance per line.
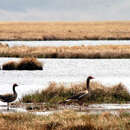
x=23, y=64
x=64, y=30
x=99, y=51
x=56, y=93
x=67, y=120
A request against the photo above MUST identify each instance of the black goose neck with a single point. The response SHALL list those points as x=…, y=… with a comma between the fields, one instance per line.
x=88, y=81
x=14, y=90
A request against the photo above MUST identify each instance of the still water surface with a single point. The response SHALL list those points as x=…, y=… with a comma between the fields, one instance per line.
x=67, y=43
x=67, y=71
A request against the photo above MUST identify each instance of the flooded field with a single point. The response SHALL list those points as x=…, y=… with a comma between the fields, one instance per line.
x=67, y=71
x=90, y=109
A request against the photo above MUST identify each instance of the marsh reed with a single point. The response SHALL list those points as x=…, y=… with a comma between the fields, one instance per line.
x=98, y=51
x=56, y=93
x=66, y=120
x=27, y=63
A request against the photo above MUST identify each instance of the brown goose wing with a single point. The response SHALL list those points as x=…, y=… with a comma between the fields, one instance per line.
x=78, y=96
x=7, y=97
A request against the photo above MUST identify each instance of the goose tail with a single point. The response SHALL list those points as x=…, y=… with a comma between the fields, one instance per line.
x=65, y=101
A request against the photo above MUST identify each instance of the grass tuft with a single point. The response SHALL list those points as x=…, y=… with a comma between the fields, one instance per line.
x=24, y=64
x=29, y=64
x=56, y=93
x=11, y=65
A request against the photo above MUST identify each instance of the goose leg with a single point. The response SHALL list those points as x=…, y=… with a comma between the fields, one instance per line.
x=80, y=104
x=7, y=106
x=80, y=108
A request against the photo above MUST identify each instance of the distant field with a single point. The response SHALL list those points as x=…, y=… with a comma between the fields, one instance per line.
x=64, y=30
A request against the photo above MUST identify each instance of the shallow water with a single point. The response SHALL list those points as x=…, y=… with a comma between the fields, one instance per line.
x=67, y=71
x=91, y=109
x=67, y=43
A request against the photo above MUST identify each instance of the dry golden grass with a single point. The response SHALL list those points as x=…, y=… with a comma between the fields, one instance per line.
x=11, y=65
x=23, y=64
x=29, y=64
x=66, y=120
x=99, y=51
x=57, y=93
x=64, y=30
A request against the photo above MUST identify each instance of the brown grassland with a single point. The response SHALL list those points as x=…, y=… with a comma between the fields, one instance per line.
x=99, y=51
x=69, y=119
x=55, y=93
x=64, y=30
x=66, y=120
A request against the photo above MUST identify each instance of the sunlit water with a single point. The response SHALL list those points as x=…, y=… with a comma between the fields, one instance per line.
x=67, y=71
x=115, y=109
x=67, y=43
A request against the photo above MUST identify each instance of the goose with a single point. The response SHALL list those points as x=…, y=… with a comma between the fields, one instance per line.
x=9, y=97
x=80, y=96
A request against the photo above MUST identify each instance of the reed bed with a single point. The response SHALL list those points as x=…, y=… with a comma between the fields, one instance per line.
x=57, y=93
x=98, y=51
x=66, y=120
x=113, y=30
x=23, y=64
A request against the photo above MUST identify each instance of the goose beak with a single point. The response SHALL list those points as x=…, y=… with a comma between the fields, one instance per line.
x=15, y=85
x=92, y=77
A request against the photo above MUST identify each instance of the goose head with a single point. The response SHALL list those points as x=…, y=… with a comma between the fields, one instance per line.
x=90, y=77
x=15, y=85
